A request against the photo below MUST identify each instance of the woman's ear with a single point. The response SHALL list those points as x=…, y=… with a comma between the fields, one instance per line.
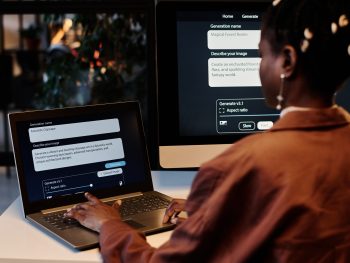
x=289, y=60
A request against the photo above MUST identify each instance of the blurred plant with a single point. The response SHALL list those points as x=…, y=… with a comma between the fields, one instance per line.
x=33, y=32
x=106, y=60
x=62, y=79
x=32, y=35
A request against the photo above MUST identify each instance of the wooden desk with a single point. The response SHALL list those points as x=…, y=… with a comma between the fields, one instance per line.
x=21, y=241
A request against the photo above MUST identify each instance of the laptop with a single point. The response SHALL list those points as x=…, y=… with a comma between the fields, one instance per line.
x=62, y=153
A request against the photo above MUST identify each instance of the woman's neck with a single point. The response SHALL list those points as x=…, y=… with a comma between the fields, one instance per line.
x=299, y=94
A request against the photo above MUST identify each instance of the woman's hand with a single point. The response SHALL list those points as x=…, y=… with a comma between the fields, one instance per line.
x=93, y=214
x=173, y=210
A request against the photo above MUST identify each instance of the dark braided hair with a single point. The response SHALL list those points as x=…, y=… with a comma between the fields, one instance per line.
x=325, y=57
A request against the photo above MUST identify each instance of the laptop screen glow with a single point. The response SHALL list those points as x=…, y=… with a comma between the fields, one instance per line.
x=74, y=154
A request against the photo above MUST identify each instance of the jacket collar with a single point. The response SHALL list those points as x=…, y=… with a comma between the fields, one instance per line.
x=313, y=119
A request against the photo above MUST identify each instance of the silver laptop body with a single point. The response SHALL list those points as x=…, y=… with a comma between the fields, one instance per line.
x=62, y=153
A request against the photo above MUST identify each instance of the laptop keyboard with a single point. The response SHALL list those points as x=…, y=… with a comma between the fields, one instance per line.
x=59, y=221
x=130, y=206
x=141, y=204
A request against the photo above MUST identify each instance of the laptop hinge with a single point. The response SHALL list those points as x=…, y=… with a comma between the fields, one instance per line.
x=118, y=197
x=112, y=198
x=56, y=209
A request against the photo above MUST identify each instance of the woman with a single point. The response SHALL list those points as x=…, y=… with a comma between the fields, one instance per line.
x=278, y=196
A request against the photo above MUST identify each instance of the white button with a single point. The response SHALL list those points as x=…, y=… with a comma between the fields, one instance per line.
x=109, y=172
x=264, y=125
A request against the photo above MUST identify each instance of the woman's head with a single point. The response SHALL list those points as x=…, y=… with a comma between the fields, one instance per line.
x=312, y=35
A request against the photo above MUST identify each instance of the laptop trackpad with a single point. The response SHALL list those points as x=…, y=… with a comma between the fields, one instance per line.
x=134, y=224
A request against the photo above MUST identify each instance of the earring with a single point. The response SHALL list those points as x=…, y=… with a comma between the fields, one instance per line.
x=280, y=95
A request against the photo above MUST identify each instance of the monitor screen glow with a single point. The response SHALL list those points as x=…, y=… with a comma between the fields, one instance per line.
x=209, y=87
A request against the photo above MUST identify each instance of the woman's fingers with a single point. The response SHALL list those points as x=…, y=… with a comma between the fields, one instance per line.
x=174, y=208
x=92, y=198
x=177, y=220
x=117, y=204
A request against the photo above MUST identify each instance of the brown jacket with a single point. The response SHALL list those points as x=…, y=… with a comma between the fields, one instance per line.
x=279, y=196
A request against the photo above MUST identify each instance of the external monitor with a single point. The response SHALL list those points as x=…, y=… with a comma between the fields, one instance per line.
x=209, y=92
x=208, y=79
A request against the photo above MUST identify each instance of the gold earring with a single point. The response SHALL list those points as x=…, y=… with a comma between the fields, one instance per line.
x=280, y=95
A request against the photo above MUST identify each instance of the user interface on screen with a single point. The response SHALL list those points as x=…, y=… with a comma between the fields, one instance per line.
x=72, y=155
x=209, y=89
x=219, y=88
x=208, y=79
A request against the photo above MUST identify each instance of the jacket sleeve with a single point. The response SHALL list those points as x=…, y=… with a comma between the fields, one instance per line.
x=120, y=243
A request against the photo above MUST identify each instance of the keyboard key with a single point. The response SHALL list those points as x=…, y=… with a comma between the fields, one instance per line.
x=59, y=221
x=141, y=204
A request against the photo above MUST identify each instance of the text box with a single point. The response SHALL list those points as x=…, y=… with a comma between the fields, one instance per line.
x=72, y=130
x=233, y=39
x=234, y=72
x=77, y=154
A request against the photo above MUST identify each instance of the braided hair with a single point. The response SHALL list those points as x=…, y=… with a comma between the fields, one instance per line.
x=319, y=30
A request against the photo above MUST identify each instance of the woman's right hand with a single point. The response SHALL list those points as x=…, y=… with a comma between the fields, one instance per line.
x=173, y=210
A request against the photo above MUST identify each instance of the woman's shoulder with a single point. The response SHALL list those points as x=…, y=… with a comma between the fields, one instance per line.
x=242, y=151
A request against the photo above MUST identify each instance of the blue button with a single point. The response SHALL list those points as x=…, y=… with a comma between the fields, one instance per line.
x=115, y=164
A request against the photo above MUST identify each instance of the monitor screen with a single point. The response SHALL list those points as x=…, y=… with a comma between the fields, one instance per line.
x=218, y=73
x=72, y=53
x=208, y=79
x=209, y=92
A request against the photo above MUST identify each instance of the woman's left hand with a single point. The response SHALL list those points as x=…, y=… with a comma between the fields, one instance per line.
x=93, y=214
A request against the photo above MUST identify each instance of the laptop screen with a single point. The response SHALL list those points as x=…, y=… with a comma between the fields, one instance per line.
x=66, y=152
